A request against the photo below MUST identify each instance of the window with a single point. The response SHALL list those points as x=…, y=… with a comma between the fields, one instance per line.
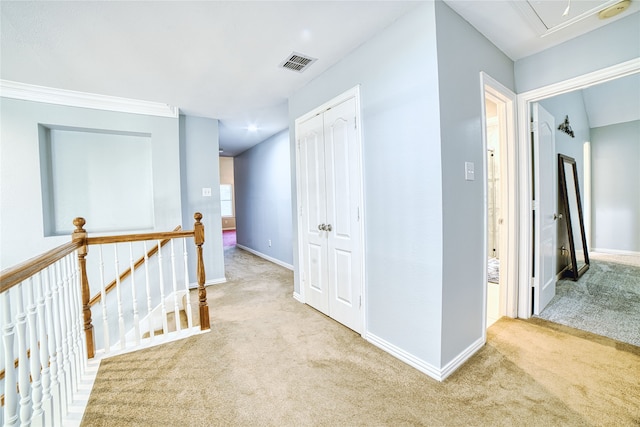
x=226, y=200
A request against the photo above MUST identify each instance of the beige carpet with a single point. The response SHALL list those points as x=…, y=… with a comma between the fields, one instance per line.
x=271, y=361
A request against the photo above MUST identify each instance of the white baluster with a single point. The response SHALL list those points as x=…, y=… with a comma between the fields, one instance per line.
x=186, y=284
x=119, y=297
x=24, y=384
x=63, y=282
x=47, y=403
x=103, y=302
x=148, y=289
x=68, y=308
x=174, y=282
x=165, y=327
x=76, y=311
x=37, y=416
x=8, y=337
x=134, y=299
x=53, y=414
x=59, y=378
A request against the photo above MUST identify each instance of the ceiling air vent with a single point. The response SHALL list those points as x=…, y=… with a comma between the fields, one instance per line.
x=297, y=62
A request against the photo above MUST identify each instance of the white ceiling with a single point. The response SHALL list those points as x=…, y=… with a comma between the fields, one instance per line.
x=219, y=59
x=616, y=101
x=521, y=28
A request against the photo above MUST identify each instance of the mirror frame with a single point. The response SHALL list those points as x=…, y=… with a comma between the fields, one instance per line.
x=572, y=270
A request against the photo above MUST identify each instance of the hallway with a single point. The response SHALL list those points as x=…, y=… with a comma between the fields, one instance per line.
x=269, y=360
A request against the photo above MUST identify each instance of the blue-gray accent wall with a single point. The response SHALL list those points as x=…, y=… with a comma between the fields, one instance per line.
x=262, y=177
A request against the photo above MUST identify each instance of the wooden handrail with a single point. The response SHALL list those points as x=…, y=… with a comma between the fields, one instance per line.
x=12, y=276
x=80, y=242
x=125, y=238
x=96, y=298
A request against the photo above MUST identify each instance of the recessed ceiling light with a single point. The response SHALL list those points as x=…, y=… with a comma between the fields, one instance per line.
x=220, y=150
x=252, y=128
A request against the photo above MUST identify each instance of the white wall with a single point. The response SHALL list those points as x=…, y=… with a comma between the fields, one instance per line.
x=616, y=187
x=462, y=54
x=263, y=198
x=397, y=73
x=200, y=169
x=21, y=207
x=571, y=104
x=606, y=46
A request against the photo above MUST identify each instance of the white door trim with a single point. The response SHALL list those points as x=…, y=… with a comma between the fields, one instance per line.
x=509, y=244
x=351, y=93
x=524, y=101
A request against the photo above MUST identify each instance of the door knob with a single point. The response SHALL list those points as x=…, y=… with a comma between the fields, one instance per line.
x=328, y=227
x=322, y=227
x=557, y=216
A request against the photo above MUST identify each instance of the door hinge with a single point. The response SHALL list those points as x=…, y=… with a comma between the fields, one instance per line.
x=298, y=144
x=533, y=282
x=355, y=123
x=360, y=306
x=358, y=213
x=534, y=205
x=533, y=126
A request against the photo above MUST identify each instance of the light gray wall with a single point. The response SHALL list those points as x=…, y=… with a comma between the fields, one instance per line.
x=615, y=153
x=606, y=46
x=21, y=214
x=200, y=169
x=571, y=104
x=263, y=198
x=462, y=54
x=397, y=73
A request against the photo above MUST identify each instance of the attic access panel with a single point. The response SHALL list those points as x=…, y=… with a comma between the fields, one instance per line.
x=550, y=12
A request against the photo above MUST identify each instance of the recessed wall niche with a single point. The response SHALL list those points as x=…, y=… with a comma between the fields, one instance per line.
x=103, y=176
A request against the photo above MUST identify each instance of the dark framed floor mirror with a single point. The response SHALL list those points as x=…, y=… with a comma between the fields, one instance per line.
x=570, y=193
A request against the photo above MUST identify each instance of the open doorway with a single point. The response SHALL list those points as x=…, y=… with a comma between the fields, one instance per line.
x=227, y=202
x=495, y=126
x=604, y=115
x=526, y=235
x=499, y=143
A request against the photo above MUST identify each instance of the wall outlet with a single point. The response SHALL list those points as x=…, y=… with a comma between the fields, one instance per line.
x=269, y=242
x=206, y=192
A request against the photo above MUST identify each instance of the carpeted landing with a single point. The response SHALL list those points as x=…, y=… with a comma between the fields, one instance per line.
x=271, y=361
x=605, y=300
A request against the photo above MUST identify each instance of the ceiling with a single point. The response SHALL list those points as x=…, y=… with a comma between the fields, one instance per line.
x=220, y=59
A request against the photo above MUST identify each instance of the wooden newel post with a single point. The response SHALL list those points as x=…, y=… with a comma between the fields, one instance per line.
x=81, y=234
x=198, y=237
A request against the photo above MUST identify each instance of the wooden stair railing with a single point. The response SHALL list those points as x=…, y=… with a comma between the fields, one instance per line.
x=80, y=234
x=51, y=267
x=111, y=286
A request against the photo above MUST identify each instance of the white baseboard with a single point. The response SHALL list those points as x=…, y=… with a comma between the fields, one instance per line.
x=298, y=297
x=267, y=257
x=421, y=365
x=407, y=358
x=457, y=361
x=614, y=251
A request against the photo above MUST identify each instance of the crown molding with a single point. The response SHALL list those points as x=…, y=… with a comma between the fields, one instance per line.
x=28, y=92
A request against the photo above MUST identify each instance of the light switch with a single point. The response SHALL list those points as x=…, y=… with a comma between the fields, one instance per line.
x=469, y=173
x=206, y=192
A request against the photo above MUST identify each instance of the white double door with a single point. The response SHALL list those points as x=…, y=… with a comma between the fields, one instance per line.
x=330, y=192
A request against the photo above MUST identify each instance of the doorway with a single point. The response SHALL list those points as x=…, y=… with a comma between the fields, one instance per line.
x=499, y=143
x=527, y=248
